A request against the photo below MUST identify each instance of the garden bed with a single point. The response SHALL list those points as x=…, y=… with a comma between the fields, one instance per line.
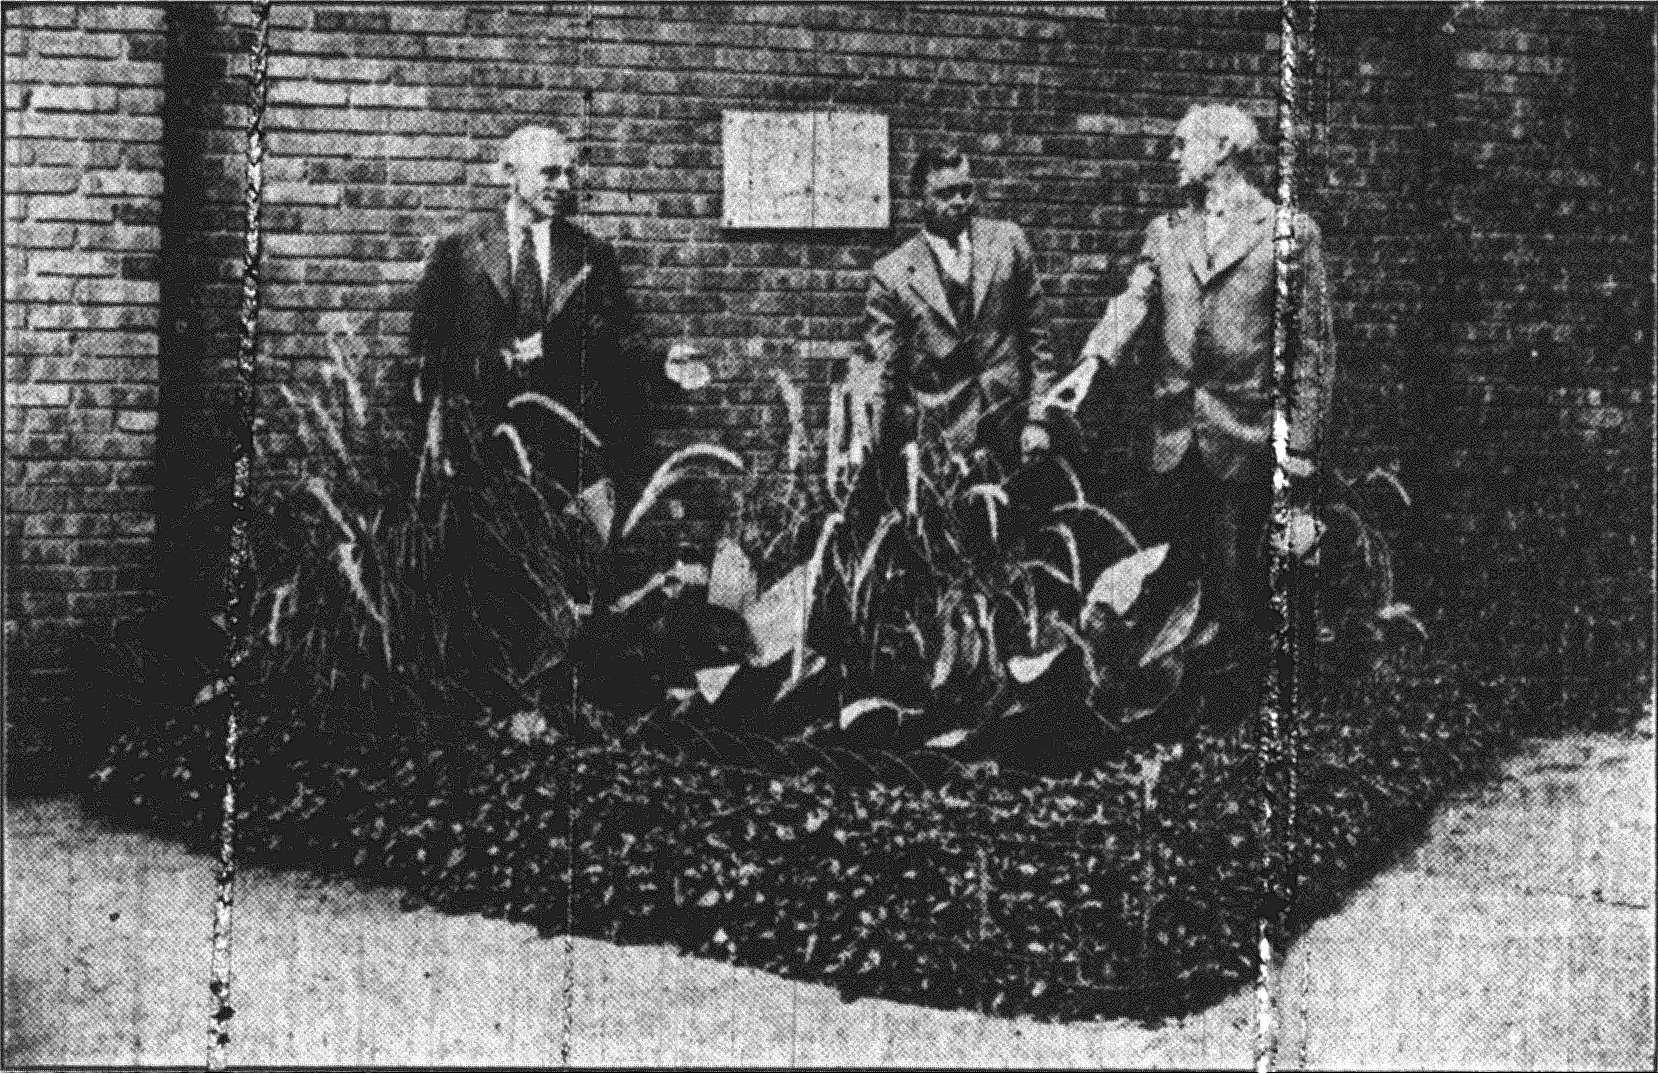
x=937, y=733
x=1123, y=891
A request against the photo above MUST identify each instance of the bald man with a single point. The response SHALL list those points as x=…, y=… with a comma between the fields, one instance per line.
x=1209, y=269
x=524, y=300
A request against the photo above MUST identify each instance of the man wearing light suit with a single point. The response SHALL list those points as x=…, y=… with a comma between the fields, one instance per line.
x=1209, y=270
x=524, y=300
x=953, y=321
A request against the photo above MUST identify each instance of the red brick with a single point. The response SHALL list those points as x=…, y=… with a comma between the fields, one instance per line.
x=73, y=99
x=90, y=45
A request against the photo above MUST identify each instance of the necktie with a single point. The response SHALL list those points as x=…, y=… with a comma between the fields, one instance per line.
x=958, y=284
x=1211, y=230
x=528, y=297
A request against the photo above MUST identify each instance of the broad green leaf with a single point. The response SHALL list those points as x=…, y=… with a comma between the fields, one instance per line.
x=1176, y=628
x=1119, y=585
x=731, y=581
x=774, y=619
x=711, y=682
x=949, y=739
x=1030, y=668
x=597, y=504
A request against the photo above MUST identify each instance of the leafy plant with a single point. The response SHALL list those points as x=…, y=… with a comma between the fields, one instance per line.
x=784, y=760
x=945, y=607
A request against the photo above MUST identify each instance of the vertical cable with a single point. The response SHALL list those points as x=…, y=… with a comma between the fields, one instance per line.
x=582, y=140
x=1278, y=707
x=240, y=581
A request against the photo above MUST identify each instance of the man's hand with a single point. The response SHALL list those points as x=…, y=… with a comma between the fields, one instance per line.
x=1034, y=443
x=1300, y=534
x=521, y=352
x=1298, y=466
x=685, y=367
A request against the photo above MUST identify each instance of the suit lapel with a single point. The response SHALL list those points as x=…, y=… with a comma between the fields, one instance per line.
x=562, y=292
x=924, y=281
x=1242, y=234
x=985, y=257
x=568, y=267
x=490, y=250
x=1188, y=238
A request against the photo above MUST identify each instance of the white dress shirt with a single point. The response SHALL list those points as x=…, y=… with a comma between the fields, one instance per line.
x=540, y=234
x=957, y=257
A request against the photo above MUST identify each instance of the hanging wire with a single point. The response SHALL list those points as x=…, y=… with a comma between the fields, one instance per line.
x=582, y=140
x=1278, y=709
x=240, y=585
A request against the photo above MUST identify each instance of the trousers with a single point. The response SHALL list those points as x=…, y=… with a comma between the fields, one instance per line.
x=1217, y=529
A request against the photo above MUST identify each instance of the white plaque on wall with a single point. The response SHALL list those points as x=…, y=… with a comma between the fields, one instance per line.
x=806, y=170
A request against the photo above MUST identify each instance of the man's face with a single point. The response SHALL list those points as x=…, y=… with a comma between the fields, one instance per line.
x=542, y=176
x=1197, y=155
x=947, y=201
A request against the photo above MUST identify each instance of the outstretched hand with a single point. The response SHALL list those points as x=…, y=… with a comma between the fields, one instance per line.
x=1034, y=443
x=686, y=366
x=521, y=352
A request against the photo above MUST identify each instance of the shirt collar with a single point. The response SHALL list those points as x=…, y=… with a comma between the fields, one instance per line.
x=963, y=243
x=516, y=221
x=1240, y=196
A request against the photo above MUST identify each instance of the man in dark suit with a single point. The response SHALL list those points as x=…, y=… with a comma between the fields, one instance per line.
x=1208, y=268
x=953, y=322
x=526, y=301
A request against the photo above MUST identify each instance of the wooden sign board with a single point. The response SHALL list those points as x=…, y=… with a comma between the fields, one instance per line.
x=806, y=170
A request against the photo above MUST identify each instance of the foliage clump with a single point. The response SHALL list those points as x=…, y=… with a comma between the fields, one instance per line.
x=926, y=731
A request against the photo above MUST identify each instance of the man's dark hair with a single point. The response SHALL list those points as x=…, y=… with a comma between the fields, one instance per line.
x=934, y=158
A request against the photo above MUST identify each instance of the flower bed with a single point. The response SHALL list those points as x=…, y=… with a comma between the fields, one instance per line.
x=814, y=775
x=1123, y=891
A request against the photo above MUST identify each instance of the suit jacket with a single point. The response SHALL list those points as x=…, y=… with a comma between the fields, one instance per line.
x=594, y=358
x=1217, y=299
x=955, y=378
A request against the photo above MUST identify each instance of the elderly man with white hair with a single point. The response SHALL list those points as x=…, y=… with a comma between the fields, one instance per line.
x=524, y=300
x=1209, y=269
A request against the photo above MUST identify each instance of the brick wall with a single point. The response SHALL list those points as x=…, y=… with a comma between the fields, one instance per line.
x=83, y=179
x=385, y=125
x=1483, y=177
